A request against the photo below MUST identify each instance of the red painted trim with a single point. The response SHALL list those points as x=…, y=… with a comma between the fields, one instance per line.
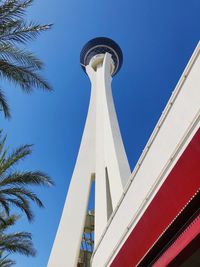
x=179, y=187
x=180, y=243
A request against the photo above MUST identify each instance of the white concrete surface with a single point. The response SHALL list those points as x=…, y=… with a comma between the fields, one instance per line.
x=178, y=124
x=101, y=155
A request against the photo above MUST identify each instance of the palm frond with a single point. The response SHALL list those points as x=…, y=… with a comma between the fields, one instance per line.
x=7, y=221
x=20, y=198
x=8, y=26
x=21, y=32
x=17, y=155
x=23, y=204
x=18, y=65
x=3, y=156
x=25, y=77
x=21, y=192
x=4, y=204
x=4, y=105
x=6, y=263
x=12, y=9
x=2, y=141
x=14, y=184
x=20, y=242
x=12, y=53
x=27, y=178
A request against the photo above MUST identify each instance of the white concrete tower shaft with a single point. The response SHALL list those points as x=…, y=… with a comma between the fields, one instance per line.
x=101, y=157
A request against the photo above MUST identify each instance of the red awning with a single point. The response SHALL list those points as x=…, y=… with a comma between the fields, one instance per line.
x=190, y=233
x=178, y=189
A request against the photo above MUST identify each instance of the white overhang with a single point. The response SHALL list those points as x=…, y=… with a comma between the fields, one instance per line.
x=176, y=127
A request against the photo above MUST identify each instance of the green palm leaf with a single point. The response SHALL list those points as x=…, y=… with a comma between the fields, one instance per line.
x=14, y=184
x=21, y=32
x=4, y=105
x=6, y=263
x=7, y=161
x=14, y=54
x=12, y=9
x=18, y=242
x=25, y=77
x=17, y=64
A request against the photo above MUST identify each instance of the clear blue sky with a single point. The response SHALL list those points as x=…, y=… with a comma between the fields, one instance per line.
x=157, y=39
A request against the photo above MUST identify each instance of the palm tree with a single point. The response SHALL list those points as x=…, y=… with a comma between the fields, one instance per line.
x=18, y=242
x=6, y=263
x=14, y=185
x=16, y=64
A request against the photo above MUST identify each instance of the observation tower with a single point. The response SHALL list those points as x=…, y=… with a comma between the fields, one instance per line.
x=150, y=217
x=101, y=156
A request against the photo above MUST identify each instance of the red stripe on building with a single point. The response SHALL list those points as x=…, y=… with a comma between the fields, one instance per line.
x=191, y=232
x=179, y=187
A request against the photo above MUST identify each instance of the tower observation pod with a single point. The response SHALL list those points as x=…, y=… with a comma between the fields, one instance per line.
x=101, y=156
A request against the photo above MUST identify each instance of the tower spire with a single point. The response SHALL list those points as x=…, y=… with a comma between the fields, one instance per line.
x=101, y=156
